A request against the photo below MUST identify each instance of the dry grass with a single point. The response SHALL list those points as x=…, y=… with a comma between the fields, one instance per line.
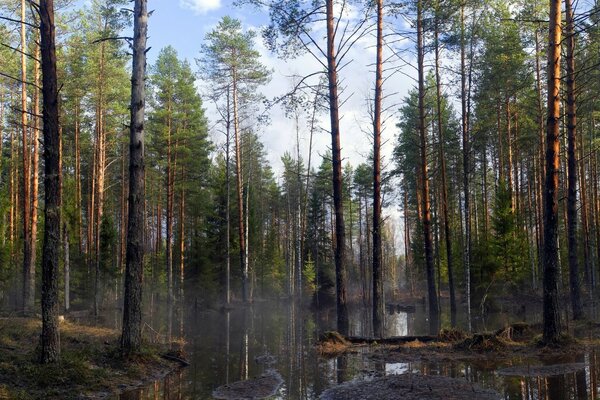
x=90, y=362
x=332, y=344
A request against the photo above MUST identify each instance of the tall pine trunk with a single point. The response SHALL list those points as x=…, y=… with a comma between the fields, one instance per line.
x=28, y=267
x=227, y=208
x=240, y=188
x=572, y=168
x=378, y=293
x=131, y=336
x=338, y=204
x=35, y=163
x=466, y=166
x=446, y=219
x=49, y=339
x=552, y=326
x=434, y=320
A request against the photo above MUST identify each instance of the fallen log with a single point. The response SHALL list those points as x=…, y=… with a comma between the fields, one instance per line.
x=392, y=340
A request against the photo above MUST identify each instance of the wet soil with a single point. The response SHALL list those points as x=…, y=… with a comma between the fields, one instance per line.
x=410, y=387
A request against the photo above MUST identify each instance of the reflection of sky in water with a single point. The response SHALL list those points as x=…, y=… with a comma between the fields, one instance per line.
x=396, y=368
x=396, y=324
x=222, y=348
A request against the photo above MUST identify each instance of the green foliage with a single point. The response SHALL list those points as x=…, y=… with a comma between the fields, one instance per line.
x=310, y=275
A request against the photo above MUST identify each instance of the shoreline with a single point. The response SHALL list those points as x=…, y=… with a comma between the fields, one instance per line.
x=90, y=366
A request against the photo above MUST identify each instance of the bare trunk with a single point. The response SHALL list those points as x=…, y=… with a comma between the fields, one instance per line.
x=466, y=168
x=67, y=268
x=78, y=182
x=446, y=219
x=434, y=322
x=552, y=323
x=131, y=337
x=28, y=267
x=338, y=203
x=378, y=293
x=240, y=200
x=572, y=168
x=123, y=224
x=100, y=175
x=227, y=209
x=181, y=260
x=50, y=339
x=170, y=187
x=35, y=163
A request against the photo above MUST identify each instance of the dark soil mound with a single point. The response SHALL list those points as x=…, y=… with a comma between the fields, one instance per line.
x=262, y=387
x=410, y=387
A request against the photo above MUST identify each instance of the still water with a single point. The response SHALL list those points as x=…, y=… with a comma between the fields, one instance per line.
x=223, y=347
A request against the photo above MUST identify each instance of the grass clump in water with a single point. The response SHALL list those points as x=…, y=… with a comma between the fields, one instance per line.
x=332, y=343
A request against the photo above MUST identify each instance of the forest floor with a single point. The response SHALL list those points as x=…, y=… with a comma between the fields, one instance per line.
x=90, y=366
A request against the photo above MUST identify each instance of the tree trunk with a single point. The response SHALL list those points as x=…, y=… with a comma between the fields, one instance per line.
x=378, y=293
x=28, y=267
x=122, y=224
x=434, y=322
x=181, y=260
x=100, y=175
x=35, y=163
x=338, y=203
x=239, y=188
x=552, y=323
x=67, y=268
x=466, y=168
x=78, y=181
x=572, y=168
x=227, y=209
x=131, y=336
x=542, y=167
x=446, y=219
x=170, y=187
x=49, y=339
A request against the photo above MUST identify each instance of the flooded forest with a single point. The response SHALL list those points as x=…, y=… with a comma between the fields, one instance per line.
x=294, y=199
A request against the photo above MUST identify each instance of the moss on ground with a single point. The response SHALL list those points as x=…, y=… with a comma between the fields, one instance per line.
x=90, y=362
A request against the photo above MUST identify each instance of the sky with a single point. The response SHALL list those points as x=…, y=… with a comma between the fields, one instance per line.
x=183, y=24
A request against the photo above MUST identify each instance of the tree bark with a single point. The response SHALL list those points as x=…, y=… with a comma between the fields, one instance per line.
x=378, y=293
x=227, y=208
x=28, y=267
x=78, y=181
x=35, y=164
x=434, y=322
x=552, y=324
x=239, y=188
x=67, y=268
x=575, y=290
x=466, y=167
x=338, y=204
x=446, y=219
x=131, y=336
x=50, y=339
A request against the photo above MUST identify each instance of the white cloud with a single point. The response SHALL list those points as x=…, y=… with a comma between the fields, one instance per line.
x=200, y=6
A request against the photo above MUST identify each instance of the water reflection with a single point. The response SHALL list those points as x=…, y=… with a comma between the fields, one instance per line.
x=226, y=346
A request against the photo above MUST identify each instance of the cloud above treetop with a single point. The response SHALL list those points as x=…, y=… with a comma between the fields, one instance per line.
x=200, y=6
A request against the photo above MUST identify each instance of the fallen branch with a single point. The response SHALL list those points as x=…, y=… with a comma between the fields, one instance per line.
x=171, y=357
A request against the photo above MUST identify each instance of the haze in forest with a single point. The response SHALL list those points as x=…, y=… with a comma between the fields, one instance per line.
x=299, y=180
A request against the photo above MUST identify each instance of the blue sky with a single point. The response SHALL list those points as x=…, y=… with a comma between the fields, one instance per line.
x=184, y=23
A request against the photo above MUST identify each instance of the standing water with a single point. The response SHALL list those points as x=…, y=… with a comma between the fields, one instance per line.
x=228, y=346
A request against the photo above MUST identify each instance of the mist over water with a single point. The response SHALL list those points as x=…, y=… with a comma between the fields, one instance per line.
x=228, y=346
